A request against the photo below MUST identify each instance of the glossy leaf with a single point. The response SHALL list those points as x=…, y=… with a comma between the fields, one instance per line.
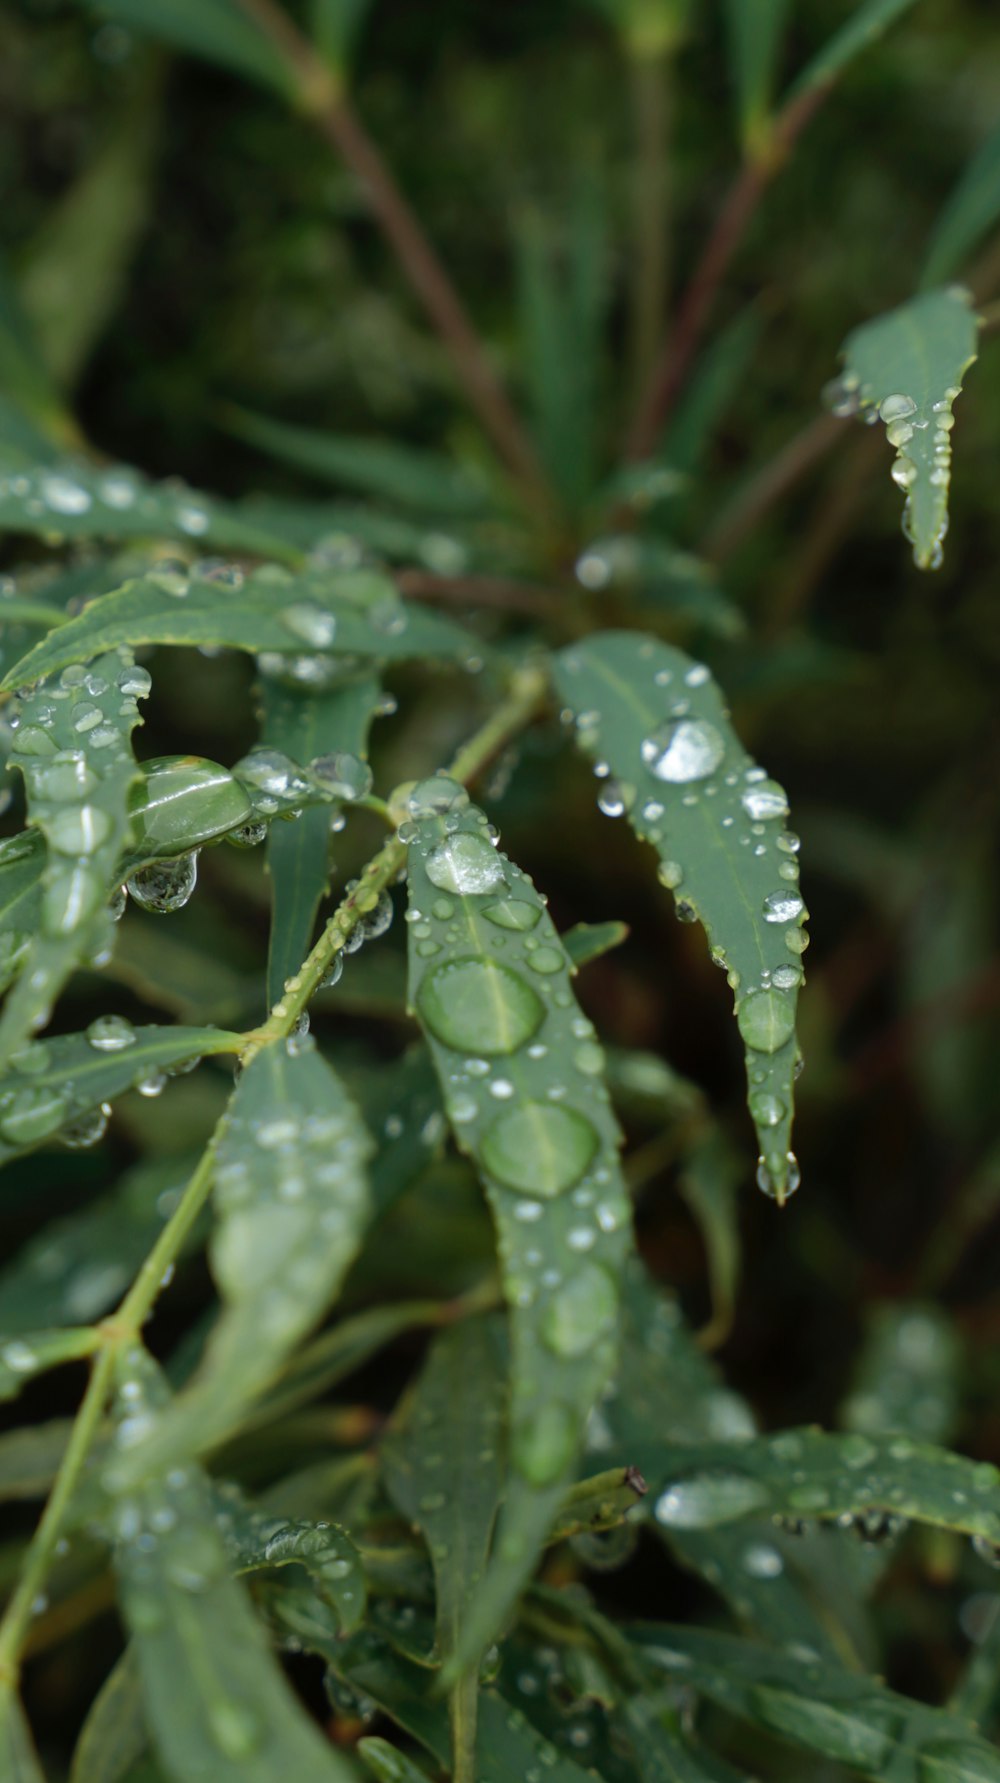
x=906, y=368
x=444, y=1468
x=55, y=1084
x=217, y=1703
x=291, y=1205
x=906, y=1378
x=256, y=1542
x=756, y=30
x=219, y=31
x=68, y=499
x=114, y=1735
x=717, y=822
x=867, y=22
x=521, y=1076
x=835, y=1713
x=355, y=614
x=304, y=726
x=423, y=481
x=971, y=209
x=72, y=746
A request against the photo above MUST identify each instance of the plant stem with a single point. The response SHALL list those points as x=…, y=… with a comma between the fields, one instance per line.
x=651, y=101
x=320, y=95
x=768, y=485
x=696, y=306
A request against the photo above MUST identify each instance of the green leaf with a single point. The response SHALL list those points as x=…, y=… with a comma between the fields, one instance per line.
x=976, y=1696
x=906, y=369
x=304, y=726
x=355, y=614
x=114, y=1735
x=291, y=1205
x=401, y=475
x=334, y=1354
x=690, y=788
x=714, y=383
x=217, y=1703
x=836, y=1713
x=23, y=861
x=34, y=1353
x=970, y=210
x=521, y=1076
x=18, y=1758
x=75, y=268
x=57, y=1084
x=444, y=1467
x=30, y=1458
x=256, y=1542
x=72, y=747
x=388, y=1764
x=69, y=499
x=663, y=1753
x=588, y=941
x=219, y=31
x=756, y=31
x=336, y=26
x=868, y=21
x=708, y=1182
x=906, y=1378
x=661, y=577
x=810, y=1474
x=30, y=399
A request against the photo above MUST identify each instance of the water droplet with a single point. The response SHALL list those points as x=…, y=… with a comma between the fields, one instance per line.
x=478, y=1005
x=513, y=913
x=778, y=1176
x=62, y=495
x=71, y=895
x=764, y=801
x=690, y=749
x=31, y=1113
x=164, y=886
x=235, y=1728
x=581, y=1312
x=435, y=797
x=81, y=1134
x=896, y=407
x=466, y=865
x=111, y=1033
x=539, y=1149
x=708, y=1499
x=543, y=1444
x=547, y=960
x=766, y=1110
x=762, y=1561
x=78, y=830
x=341, y=775
x=782, y=906
x=766, y=1019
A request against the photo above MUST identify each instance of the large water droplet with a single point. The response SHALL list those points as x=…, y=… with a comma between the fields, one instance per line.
x=513, y=913
x=467, y=865
x=164, y=886
x=708, y=1499
x=766, y=1019
x=581, y=1312
x=342, y=775
x=79, y=829
x=896, y=407
x=314, y=625
x=543, y=1444
x=689, y=749
x=764, y=801
x=782, y=906
x=479, y=1006
x=539, y=1148
x=111, y=1033
x=435, y=796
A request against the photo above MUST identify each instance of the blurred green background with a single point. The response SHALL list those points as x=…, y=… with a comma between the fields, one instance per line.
x=183, y=245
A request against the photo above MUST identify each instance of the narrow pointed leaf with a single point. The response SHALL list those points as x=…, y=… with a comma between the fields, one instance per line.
x=839, y=1715
x=866, y=23
x=907, y=367
x=713, y=385
x=304, y=726
x=355, y=614
x=73, y=749
x=970, y=210
x=55, y=1084
x=219, y=31
x=756, y=30
x=217, y=1702
x=114, y=1735
x=403, y=476
x=718, y=825
x=708, y=1183
x=292, y=1205
x=591, y=940
x=336, y=26
x=69, y=499
x=521, y=1075
x=256, y=1542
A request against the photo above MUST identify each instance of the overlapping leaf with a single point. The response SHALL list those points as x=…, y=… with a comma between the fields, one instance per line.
x=656, y=723
x=18, y=1759
x=351, y=613
x=25, y=1356
x=220, y=31
x=521, y=1075
x=906, y=369
x=114, y=1735
x=292, y=1205
x=215, y=1697
x=257, y=1542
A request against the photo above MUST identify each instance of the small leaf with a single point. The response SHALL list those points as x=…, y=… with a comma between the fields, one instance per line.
x=970, y=210
x=56, y=1084
x=33, y=1353
x=256, y=1542
x=291, y=1207
x=401, y=475
x=444, y=1468
x=114, y=1735
x=906, y=369
x=588, y=941
x=217, y=1703
x=220, y=31
x=388, y=1764
x=521, y=1076
x=756, y=31
x=356, y=614
x=835, y=1713
x=305, y=726
x=868, y=21
x=72, y=747
x=689, y=787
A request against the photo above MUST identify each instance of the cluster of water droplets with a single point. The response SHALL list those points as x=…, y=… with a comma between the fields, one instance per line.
x=42, y=1099
x=277, y=786
x=74, y=498
x=522, y=1074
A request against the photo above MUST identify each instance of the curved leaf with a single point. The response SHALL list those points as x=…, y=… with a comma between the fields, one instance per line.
x=521, y=1075
x=35, y=1352
x=220, y=31
x=114, y=1735
x=906, y=369
x=658, y=722
x=257, y=1542
x=401, y=475
x=349, y=613
x=18, y=1758
x=971, y=209
x=867, y=22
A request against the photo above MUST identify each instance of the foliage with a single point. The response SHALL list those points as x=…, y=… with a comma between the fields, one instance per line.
x=371, y=1221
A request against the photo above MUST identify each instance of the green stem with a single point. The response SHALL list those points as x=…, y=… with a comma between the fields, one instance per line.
x=463, y=1713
